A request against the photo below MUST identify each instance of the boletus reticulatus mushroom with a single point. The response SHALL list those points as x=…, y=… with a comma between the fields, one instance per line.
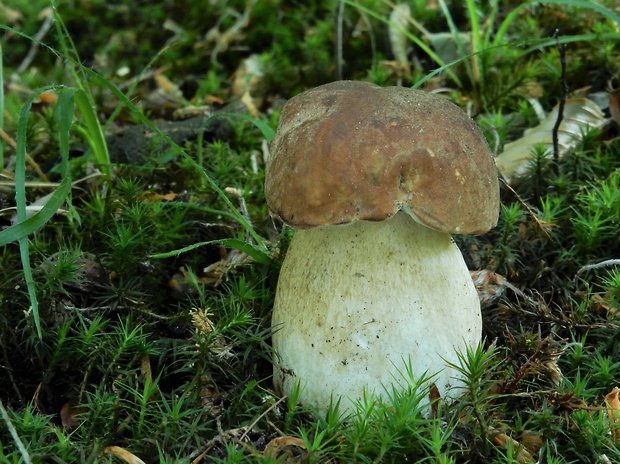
x=375, y=180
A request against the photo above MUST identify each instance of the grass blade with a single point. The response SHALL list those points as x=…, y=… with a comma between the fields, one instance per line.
x=476, y=45
x=460, y=46
x=1, y=107
x=258, y=255
x=142, y=118
x=20, y=205
x=94, y=133
x=25, y=226
x=596, y=6
x=517, y=11
x=18, y=442
x=28, y=225
x=411, y=37
x=505, y=24
x=268, y=132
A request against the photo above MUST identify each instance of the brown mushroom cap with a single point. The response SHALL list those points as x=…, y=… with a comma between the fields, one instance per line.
x=349, y=151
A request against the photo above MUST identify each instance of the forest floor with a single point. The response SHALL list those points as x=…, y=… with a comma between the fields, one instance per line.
x=139, y=260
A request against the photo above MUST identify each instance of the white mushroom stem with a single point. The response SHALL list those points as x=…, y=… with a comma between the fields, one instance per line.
x=356, y=301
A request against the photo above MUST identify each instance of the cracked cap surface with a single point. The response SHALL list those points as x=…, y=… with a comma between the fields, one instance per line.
x=349, y=151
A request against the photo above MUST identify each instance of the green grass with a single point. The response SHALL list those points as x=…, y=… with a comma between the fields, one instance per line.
x=135, y=305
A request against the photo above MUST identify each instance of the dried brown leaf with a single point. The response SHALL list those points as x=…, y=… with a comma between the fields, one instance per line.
x=531, y=440
x=69, y=416
x=522, y=455
x=152, y=197
x=287, y=449
x=491, y=286
x=612, y=404
x=123, y=454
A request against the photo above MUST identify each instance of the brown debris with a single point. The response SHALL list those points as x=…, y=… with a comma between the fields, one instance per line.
x=287, y=449
x=612, y=404
x=521, y=454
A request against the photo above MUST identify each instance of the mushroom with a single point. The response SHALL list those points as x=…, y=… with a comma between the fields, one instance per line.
x=375, y=180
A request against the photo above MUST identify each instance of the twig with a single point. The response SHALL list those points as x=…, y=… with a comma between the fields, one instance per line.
x=44, y=185
x=16, y=439
x=222, y=437
x=36, y=40
x=589, y=267
x=558, y=121
x=275, y=427
x=233, y=33
x=243, y=207
x=270, y=408
x=33, y=164
x=527, y=207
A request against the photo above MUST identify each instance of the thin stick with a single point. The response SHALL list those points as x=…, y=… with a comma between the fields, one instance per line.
x=42, y=185
x=36, y=41
x=558, y=121
x=589, y=267
x=270, y=408
x=1, y=106
x=526, y=206
x=33, y=164
x=16, y=439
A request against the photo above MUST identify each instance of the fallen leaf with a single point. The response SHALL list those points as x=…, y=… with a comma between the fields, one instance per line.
x=123, y=454
x=290, y=449
x=69, y=416
x=217, y=272
x=531, y=440
x=601, y=304
x=580, y=114
x=167, y=86
x=521, y=455
x=248, y=77
x=398, y=24
x=213, y=99
x=192, y=111
x=250, y=104
x=166, y=97
x=159, y=196
x=491, y=286
x=612, y=404
x=434, y=395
